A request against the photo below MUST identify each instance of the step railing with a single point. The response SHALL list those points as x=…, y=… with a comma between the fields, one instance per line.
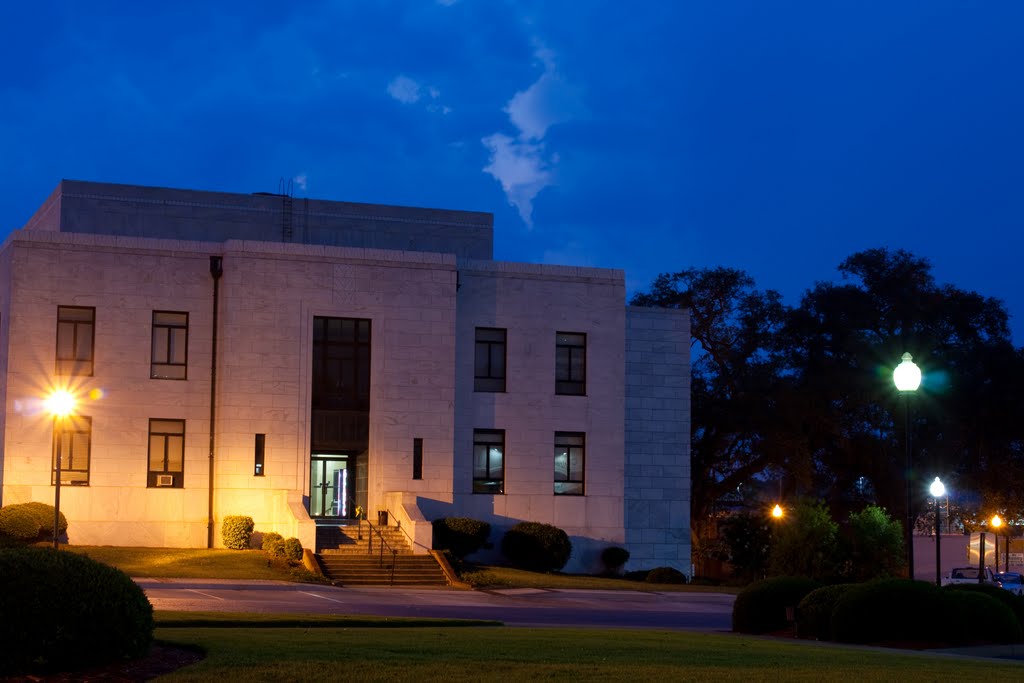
x=382, y=544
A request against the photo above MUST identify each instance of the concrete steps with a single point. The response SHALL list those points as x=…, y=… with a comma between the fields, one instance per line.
x=353, y=561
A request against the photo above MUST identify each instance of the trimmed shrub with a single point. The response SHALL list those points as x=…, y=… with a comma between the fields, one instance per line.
x=19, y=524
x=665, y=575
x=275, y=548
x=761, y=606
x=975, y=617
x=293, y=550
x=269, y=539
x=536, y=547
x=62, y=610
x=613, y=558
x=1014, y=602
x=889, y=611
x=30, y=521
x=637, y=575
x=236, y=532
x=461, y=535
x=814, y=612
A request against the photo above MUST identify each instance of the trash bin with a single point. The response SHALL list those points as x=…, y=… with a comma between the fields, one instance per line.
x=382, y=517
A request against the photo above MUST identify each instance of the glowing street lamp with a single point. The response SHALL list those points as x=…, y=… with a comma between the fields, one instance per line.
x=996, y=522
x=777, y=511
x=907, y=377
x=938, y=490
x=60, y=404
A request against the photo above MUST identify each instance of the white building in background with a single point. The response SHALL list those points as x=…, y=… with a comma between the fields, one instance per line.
x=295, y=359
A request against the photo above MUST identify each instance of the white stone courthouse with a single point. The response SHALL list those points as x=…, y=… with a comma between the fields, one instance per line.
x=301, y=361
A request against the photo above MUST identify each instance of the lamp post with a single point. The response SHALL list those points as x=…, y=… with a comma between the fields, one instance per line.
x=938, y=490
x=907, y=377
x=60, y=404
x=996, y=523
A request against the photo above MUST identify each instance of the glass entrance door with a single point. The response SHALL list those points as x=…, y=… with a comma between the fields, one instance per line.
x=329, y=494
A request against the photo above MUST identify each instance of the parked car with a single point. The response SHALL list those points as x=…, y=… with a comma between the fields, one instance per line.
x=1011, y=581
x=968, y=575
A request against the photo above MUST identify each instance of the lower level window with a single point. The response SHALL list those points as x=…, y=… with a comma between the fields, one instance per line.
x=570, y=456
x=71, y=443
x=488, y=461
x=166, y=453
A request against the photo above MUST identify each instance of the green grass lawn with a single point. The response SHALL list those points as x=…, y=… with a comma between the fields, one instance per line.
x=187, y=563
x=505, y=654
x=507, y=577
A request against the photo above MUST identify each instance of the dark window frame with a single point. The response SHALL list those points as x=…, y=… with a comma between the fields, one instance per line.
x=260, y=455
x=487, y=376
x=71, y=473
x=571, y=363
x=166, y=434
x=417, y=458
x=171, y=368
x=488, y=439
x=75, y=365
x=574, y=444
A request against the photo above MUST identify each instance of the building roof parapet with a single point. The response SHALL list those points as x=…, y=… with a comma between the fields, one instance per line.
x=542, y=271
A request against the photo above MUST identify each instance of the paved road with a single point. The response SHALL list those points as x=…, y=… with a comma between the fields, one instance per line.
x=515, y=607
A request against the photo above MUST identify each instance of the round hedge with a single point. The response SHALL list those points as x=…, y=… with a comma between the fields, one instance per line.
x=1014, y=602
x=293, y=550
x=63, y=610
x=889, y=611
x=975, y=618
x=665, y=575
x=761, y=606
x=270, y=539
x=613, y=558
x=461, y=535
x=814, y=612
x=30, y=521
x=236, y=532
x=536, y=547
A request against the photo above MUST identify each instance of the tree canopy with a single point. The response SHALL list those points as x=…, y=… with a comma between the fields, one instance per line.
x=805, y=394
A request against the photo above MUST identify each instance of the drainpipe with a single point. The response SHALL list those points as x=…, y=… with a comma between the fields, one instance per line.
x=216, y=270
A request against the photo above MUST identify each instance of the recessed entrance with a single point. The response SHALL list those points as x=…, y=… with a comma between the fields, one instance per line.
x=329, y=487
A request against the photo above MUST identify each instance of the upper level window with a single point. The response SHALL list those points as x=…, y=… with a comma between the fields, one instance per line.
x=570, y=363
x=488, y=461
x=570, y=457
x=166, y=453
x=75, y=335
x=170, y=345
x=71, y=444
x=489, y=373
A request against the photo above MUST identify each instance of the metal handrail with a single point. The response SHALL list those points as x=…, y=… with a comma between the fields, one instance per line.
x=383, y=544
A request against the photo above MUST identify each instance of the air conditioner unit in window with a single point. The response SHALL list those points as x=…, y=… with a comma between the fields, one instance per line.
x=165, y=480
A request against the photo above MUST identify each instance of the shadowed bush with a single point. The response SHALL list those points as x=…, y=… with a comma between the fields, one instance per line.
x=461, y=535
x=61, y=609
x=814, y=611
x=613, y=558
x=665, y=575
x=536, y=547
x=761, y=607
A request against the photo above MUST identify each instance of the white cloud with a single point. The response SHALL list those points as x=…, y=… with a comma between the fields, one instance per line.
x=520, y=164
x=300, y=181
x=521, y=169
x=404, y=89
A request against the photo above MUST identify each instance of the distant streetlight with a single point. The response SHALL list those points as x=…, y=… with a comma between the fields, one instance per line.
x=938, y=490
x=907, y=377
x=996, y=522
x=777, y=511
x=60, y=404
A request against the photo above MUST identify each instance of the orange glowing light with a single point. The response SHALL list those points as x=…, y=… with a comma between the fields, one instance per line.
x=777, y=511
x=60, y=403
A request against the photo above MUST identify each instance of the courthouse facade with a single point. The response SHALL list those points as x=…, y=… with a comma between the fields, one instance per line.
x=301, y=360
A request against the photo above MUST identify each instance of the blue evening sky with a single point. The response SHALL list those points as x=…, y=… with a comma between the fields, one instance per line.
x=774, y=136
